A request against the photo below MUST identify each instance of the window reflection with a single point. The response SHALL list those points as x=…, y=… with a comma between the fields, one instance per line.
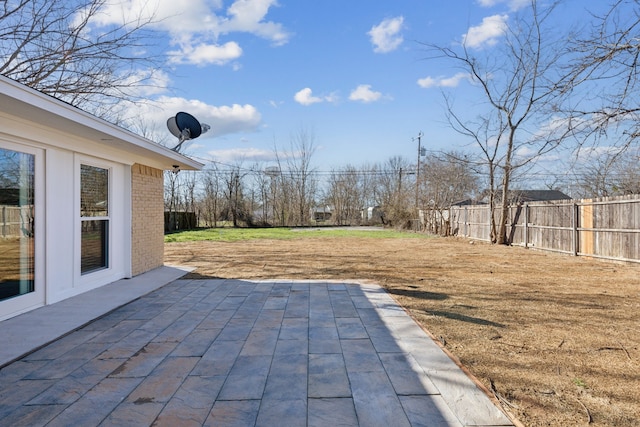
x=94, y=213
x=17, y=171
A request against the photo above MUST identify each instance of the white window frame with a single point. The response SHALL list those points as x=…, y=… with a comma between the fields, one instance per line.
x=101, y=276
x=106, y=218
x=22, y=303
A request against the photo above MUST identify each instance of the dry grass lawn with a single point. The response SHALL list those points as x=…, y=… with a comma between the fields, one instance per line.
x=557, y=338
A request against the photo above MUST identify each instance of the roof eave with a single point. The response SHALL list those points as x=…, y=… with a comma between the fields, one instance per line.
x=51, y=112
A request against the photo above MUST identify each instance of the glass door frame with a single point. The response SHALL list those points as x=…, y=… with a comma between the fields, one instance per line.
x=22, y=303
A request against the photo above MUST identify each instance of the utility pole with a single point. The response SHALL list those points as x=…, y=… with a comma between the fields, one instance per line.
x=419, y=138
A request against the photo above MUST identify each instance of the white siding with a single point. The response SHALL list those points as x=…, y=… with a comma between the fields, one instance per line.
x=58, y=263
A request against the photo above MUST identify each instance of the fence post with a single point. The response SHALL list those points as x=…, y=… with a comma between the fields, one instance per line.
x=4, y=221
x=511, y=225
x=574, y=225
x=525, y=232
x=466, y=226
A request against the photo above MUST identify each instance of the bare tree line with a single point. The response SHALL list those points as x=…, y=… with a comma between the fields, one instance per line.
x=257, y=195
x=291, y=193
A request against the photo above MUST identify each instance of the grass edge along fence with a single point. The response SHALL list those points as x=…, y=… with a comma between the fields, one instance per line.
x=230, y=234
x=607, y=227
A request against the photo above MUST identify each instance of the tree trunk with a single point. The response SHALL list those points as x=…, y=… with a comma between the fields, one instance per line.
x=504, y=206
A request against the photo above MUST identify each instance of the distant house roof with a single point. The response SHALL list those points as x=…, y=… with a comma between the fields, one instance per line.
x=468, y=202
x=520, y=196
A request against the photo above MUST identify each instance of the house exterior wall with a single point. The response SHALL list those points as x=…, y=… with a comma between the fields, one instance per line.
x=62, y=224
x=59, y=141
x=57, y=219
x=147, y=218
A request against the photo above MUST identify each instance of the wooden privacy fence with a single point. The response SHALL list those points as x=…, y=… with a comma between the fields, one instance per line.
x=16, y=221
x=602, y=228
x=174, y=221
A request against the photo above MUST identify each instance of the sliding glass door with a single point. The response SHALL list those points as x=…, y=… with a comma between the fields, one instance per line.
x=17, y=218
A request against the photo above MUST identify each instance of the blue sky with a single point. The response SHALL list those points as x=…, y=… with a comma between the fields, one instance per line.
x=351, y=72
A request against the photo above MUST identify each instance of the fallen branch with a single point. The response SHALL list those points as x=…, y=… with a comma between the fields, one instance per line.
x=589, y=418
x=621, y=348
x=501, y=398
x=518, y=346
x=625, y=351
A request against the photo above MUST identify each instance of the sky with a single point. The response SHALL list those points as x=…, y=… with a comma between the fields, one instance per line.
x=352, y=74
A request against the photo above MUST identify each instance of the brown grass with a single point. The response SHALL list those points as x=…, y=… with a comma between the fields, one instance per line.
x=557, y=336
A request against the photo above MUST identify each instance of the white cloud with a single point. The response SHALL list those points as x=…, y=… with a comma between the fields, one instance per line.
x=222, y=119
x=248, y=16
x=511, y=4
x=195, y=27
x=234, y=155
x=586, y=154
x=453, y=81
x=363, y=93
x=487, y=33
x=525, y=152
x=386, y=36
x=147, y=82
x=206, y=54
x=305, y=97
x=428, y=82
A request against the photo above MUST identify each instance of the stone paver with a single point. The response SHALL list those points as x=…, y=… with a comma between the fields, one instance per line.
x=239, y=353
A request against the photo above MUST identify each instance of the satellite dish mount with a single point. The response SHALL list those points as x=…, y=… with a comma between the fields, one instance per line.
x=185, y=127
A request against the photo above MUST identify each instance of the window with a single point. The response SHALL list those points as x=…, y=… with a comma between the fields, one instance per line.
x=17, y=173
x=94, y=218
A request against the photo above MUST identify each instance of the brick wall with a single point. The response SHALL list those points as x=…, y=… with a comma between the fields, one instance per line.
x=147, y=221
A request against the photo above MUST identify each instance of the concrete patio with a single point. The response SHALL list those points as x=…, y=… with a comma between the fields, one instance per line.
x=231, y=353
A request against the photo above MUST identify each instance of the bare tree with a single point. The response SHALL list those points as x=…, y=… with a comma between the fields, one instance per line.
x=50, y=45
x=234, y=188
x=262, y=187
x=301, y=182
x=346, y=194
x=605, y=67
x=211, y=195
x=519, y=84
x=627, y=178
x=448, y=179
x=609, y=174
x=171, y=198
x=190, y=184
x=394, y=191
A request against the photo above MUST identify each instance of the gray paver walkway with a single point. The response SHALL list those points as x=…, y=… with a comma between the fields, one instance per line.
x=238, y=353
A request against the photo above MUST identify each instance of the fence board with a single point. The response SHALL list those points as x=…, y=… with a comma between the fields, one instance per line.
x=603, y=228
x=16, y=221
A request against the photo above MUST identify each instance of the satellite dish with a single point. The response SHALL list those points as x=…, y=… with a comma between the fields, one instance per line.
x=184, y=127
x=173, y=127
x=187, y=123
